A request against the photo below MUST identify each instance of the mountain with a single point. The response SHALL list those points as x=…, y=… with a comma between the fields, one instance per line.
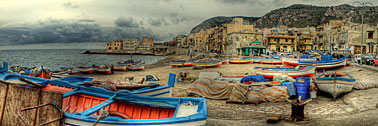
x=299, y=15
x=216, y=21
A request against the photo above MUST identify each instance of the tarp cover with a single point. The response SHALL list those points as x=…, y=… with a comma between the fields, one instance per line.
x=209, y=88
x=254, y=78
x=234, y=92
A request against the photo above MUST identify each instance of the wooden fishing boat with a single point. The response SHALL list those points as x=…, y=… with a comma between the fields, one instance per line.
x=97, y=106
x=257, y=59
x=130, y=62
x=248, y=60
x=181, y=63
x=103, y=70
x=225, y=61
x=67, y=84
x=129, y=109
x=323, y=64
x=269, y=72
x=87, y=70
x=120, y=67
x=335, y=83
x=135, y=67
x=295, y=61
x=271, y=61
x=209, y=64
x=40, y=72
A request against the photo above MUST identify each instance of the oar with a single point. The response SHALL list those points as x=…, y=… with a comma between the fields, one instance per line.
x=30, y=82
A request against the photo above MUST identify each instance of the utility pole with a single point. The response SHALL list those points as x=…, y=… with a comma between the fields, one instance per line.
x=362, y=4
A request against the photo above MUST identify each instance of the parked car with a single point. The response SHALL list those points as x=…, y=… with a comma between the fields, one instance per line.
x=376, y=60
x=357, y=58
x=367, y=59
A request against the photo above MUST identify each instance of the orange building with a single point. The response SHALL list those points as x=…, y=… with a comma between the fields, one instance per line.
x=148, y=40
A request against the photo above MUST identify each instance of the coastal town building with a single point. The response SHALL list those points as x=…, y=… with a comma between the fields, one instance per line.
x=255, y=48
x=235, y=38
x=130, y=43
x=114, y=45
x=280, y=43
x=146, y=40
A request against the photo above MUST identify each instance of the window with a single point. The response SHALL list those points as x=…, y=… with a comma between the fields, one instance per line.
x=110, y=48
x=115, y=48
x=370, y=35
x=286, y=40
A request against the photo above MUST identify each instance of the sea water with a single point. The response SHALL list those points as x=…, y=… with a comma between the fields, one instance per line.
x=56, y=58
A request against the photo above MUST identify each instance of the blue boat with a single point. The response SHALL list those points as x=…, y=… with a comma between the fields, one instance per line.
x=327, y=62
x=66, y=84
x=129, y=109
x=97, y=106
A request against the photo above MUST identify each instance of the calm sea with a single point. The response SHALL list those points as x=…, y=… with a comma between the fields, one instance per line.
x=55, y=58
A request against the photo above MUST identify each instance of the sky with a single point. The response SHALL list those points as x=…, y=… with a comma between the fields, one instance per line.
x=86, y=23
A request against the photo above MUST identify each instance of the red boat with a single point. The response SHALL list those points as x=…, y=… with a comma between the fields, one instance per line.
x=87, y=70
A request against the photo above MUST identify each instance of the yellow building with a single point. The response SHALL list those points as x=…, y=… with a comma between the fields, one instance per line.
x=281, y=43
x=237, y=25
x=115, y=45
x=305, y=42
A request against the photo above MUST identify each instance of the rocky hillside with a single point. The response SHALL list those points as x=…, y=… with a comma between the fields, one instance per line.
x=216, y=21
x=299, y=15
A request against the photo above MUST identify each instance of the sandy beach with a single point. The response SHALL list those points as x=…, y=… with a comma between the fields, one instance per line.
x=220, y=113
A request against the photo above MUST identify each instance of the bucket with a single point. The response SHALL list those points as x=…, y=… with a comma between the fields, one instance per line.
x=303, y=81
x=302, y=90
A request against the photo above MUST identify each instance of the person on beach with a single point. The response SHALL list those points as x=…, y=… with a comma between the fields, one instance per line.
x=111, y=68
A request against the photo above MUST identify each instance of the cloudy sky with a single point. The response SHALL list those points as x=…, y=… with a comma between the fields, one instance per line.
x=70, y=23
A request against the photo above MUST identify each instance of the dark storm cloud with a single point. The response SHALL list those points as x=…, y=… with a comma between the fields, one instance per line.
x=176, y=18
x=70, y=5
x=70, y=32
x=126, y=22
x=156, y=22
x=87, y=20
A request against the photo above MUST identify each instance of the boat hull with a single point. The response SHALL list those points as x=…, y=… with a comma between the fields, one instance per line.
x=135, y=67
x=103, y=70
x=333, y=89
x=207, y=65
x=85, y=70
x=76, y=122
x=321, y=65
x=120, y=68
x=294, y=61
x=241, y=61
x=270, y=73
x=181, y=64
x=270, y=61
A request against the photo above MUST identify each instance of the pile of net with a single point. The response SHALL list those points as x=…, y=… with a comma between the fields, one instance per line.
x=233, y=92
x=365, y=84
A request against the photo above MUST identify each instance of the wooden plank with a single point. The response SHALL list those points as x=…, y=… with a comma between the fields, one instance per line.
x=17, y=98
x=3, y=94
x=48, y=113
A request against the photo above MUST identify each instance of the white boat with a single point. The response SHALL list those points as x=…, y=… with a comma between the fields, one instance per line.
x=120, y=67
x=105, y=70
x=335, y=83
x=270, y=72
x=85, y=69
x=135, y=67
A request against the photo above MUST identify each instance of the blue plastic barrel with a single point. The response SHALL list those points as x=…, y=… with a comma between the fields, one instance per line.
x=302, y=85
